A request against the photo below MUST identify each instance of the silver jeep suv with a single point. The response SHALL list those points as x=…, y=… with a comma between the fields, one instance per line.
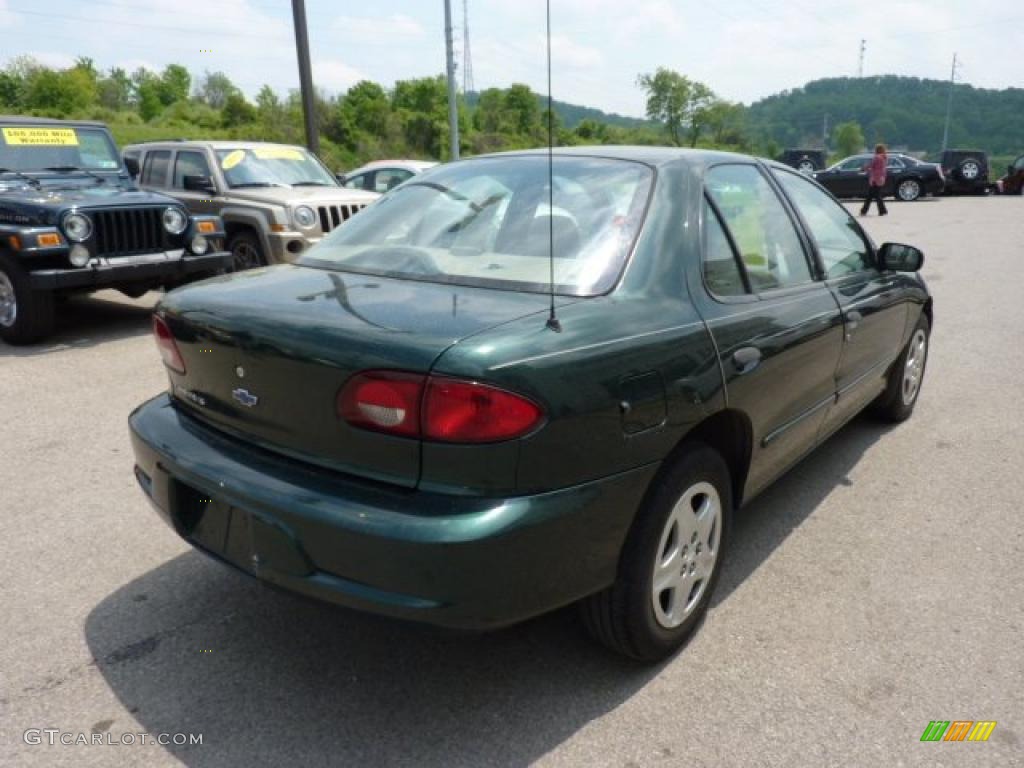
x=276, y=200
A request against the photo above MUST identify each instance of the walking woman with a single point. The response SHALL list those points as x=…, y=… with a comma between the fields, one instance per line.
x=876, y=181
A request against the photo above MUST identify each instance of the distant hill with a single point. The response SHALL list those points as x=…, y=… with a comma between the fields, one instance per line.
x=574, y=114
x=900, y=111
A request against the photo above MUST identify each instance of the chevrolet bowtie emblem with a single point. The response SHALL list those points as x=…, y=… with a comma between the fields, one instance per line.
x=245, y=397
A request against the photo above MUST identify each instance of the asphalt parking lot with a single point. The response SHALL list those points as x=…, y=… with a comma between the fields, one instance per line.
x=874, y=588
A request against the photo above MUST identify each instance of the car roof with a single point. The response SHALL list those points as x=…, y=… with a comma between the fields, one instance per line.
x=24, y=120
x=418, y=165
x=212, y=144
x=651, y=155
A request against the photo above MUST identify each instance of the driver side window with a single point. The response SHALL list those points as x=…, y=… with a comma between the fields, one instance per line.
x=842, y=248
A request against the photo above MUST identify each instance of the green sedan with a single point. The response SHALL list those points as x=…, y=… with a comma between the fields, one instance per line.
x=506, y=387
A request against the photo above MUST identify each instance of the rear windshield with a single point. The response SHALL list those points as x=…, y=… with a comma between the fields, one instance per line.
x=39, y=147
x=488, y=222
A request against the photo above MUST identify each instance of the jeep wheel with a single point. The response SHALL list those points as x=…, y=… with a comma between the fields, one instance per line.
x=246, y=251
x=908, y=190
x=806, y=166
x=25, y=315
x=969, y=169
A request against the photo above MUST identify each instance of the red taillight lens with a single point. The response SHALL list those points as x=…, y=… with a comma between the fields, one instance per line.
x=445, y=410
x=384, y=401
x=466, y=412
x=165, y=343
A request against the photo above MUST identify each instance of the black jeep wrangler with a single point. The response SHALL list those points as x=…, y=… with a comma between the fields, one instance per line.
x=966, y=171
x=72, y=220
x=807, y=161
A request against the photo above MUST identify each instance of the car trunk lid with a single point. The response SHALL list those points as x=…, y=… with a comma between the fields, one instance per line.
x=266, y=353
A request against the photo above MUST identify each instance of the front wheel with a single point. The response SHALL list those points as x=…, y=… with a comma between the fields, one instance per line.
x=897, y=402
x=246, y=251
x=670, y=562
x=25, y=315
x=908, y=190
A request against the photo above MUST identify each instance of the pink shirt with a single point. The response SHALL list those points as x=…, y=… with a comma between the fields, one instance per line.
x=876, y=170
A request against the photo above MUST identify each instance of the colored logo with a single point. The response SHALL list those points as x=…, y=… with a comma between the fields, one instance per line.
x=958, y=730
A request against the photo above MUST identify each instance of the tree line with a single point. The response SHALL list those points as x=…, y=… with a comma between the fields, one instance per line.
x=410, y=119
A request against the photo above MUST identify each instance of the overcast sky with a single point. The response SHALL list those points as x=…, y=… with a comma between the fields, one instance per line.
x=743, y=49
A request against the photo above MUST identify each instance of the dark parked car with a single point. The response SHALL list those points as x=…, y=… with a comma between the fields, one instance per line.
x=907, y=177
x=470, y=450
x=1013, y=182
x=804, y=160
x=966, y=171
x=71, y=220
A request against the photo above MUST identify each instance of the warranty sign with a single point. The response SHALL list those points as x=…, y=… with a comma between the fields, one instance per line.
x=41, y=137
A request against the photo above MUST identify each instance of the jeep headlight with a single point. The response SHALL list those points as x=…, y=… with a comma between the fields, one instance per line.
x=175, y=221
x=305, y=217
x=77, y=227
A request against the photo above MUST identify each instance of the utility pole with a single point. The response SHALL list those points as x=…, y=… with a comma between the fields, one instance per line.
x=949, y=105
x=305, y=75
x=467, y=57
x=860, y=66
x=453, y=107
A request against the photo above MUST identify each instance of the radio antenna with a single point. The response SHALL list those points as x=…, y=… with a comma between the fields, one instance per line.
x=552, y=323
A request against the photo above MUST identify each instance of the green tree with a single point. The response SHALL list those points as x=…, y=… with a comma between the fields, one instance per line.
x=678, y=102
x=214, y=89
x=848, y=138
x=237, y=111
x=146, y=93
x=175, y=83
x=114, y=91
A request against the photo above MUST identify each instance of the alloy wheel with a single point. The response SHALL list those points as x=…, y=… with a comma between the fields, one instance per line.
x=970, y=171
x=909, y=190
x=8, y=301
x=806, y=167
x=686, y=555
x=913, y=371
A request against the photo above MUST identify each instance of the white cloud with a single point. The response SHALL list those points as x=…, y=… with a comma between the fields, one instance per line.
x=336, y=75
x=375, y=29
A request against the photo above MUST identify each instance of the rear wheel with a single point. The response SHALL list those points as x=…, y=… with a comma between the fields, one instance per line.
x=25, y=315
x=670, y=562
x=246, y=251
x=897, y=402
x=908, y=190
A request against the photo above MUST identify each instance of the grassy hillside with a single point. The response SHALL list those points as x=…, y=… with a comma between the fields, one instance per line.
x=900, y=111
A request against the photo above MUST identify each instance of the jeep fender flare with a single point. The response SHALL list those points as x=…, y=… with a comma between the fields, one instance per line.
x=257, y=220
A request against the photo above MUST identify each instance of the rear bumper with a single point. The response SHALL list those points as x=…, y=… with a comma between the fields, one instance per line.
x=112, y=274
x=466, y=562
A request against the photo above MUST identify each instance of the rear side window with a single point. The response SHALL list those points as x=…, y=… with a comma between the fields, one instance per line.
x=189, y=164
x=768, y=242
x=361, y=181
x=840, y=244
x=721, y=270
x=154, y=172
x=389, y=179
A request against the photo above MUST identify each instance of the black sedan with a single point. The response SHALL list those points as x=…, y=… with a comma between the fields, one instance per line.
x=907, y=178
x=505, y=387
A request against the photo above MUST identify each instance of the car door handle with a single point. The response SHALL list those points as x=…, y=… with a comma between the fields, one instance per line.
x=852, y=321
x=746, y=359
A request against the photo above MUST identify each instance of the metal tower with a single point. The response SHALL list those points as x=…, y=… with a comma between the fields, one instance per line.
x=467, y=59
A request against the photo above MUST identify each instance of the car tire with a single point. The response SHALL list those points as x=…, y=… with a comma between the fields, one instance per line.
x=903, y=387
x=633, y=617
x=246, y=251
x=25, y=315
x=969, y=170
x=908, y=190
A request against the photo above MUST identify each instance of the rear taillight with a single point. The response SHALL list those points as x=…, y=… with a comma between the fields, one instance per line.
x=165, y=343
x=435, y=408
x=384, y=401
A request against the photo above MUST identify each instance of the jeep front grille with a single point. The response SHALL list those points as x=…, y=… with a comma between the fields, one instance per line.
x=126, y=231
x=333, y=216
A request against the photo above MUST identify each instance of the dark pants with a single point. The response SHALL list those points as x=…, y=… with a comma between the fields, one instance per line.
x=874, y=193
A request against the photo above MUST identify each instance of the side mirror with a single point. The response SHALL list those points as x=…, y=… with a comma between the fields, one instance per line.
x=198, y=184
x=132, y=164
x=900, y=258
x=340, y=177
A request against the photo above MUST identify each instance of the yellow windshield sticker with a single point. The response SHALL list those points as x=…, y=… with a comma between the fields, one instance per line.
x=41, y=137
x=232, y=159
x=278, y=153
